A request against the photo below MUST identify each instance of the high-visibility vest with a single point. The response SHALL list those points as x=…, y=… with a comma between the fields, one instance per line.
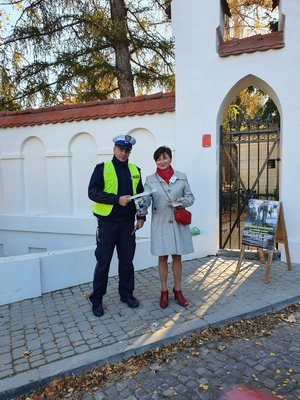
x=111, y=185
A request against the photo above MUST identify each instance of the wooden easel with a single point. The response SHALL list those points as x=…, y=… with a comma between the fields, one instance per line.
x=280, y=237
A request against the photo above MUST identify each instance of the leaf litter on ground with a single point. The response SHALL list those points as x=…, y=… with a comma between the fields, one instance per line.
x=75, y=386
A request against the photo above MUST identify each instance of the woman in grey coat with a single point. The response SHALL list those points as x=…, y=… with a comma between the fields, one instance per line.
x=167, y=236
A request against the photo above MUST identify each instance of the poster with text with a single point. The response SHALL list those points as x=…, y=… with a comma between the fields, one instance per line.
x=261, y=224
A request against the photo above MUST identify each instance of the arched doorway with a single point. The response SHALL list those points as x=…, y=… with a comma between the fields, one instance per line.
x=249, y=163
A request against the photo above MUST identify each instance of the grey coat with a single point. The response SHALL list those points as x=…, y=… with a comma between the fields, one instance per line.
x=167, y=236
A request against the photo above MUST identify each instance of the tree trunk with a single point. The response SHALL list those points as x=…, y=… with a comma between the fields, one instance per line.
x=121, y=47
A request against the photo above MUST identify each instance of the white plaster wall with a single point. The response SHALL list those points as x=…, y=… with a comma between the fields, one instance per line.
x=35, y=177
x=44, y=176
x=12, y=189
x=205, y=86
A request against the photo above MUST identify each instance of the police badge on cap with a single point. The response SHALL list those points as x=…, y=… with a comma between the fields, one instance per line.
x=126, y=141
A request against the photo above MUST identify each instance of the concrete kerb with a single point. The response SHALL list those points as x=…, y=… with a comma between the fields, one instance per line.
x=34, y=379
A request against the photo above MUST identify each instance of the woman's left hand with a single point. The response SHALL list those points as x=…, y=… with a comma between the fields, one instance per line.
x=139, y=223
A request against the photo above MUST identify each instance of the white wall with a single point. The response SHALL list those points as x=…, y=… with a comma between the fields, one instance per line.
x=44, y=176
x=205, y=86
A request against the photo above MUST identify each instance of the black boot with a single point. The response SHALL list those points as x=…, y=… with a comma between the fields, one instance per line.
x=97, y=309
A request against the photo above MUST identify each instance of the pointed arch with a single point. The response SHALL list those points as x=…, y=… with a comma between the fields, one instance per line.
x=246, y=81
x=249, y=162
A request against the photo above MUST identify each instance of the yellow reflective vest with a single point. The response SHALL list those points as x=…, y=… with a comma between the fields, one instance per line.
x=111, y=185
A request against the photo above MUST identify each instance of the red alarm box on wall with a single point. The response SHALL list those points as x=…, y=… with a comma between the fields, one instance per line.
x=206, y=140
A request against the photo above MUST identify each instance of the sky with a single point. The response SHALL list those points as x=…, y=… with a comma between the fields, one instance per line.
x=10, y=15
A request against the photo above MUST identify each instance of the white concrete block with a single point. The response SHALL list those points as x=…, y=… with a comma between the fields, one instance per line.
x=20, y=278
x=65, y=268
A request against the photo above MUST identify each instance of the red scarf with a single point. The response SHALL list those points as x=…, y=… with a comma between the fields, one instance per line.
x=165, y=175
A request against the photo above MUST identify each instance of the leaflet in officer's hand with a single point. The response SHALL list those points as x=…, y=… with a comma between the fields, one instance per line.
x=146, y=193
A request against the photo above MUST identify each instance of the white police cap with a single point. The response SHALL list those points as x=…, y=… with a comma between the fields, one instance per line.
x=124, y=141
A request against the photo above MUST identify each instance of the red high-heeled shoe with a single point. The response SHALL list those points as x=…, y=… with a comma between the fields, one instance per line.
x=164, y=299
x=180, y=298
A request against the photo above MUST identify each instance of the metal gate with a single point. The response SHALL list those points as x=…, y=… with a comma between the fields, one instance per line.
x=249, y=168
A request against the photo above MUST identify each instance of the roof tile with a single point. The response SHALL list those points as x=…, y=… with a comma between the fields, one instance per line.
x=93, y=110
x=273, y=40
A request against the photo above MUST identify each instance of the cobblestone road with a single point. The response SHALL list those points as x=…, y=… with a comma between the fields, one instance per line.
x=270, y=363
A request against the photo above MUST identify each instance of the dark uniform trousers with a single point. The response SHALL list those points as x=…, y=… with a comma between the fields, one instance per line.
x=109, y=236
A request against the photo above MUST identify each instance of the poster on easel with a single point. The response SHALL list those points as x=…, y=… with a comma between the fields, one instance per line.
x=261, y=224
x=264, y=229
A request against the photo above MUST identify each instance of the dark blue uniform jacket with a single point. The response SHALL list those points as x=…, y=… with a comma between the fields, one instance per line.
x=96, y=186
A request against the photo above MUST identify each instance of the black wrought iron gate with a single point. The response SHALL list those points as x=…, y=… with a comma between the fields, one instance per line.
x=249, y=168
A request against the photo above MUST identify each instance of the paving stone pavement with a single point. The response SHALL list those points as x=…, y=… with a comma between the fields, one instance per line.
x=56, y=333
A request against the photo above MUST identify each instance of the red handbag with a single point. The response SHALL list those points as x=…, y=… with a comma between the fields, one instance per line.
x=183, y=216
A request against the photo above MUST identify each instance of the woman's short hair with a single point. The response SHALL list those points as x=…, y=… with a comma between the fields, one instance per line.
x=161, y=150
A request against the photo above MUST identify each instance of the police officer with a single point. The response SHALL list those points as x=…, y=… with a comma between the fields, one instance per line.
x=111, y=185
